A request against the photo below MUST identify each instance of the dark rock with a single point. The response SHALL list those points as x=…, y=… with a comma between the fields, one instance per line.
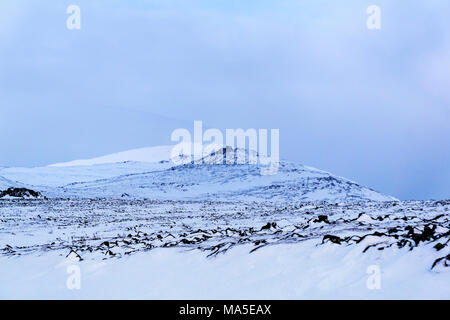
x=20, y=193
x=439, y=246
x=322, y=218
x=445, y=261
x=334, y=239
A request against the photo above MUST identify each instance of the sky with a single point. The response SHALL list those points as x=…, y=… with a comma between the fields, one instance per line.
x=369, y=105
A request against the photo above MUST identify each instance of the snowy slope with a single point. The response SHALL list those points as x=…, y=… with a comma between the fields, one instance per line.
x=146, y=155
x=150, y=155
x=6, y=183
x=226, y=182
x=55, y=176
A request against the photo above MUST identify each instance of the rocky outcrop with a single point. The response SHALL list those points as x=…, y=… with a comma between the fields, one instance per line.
x=23, y=193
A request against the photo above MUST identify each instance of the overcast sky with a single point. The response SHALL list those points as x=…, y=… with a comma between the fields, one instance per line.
x=369, y=105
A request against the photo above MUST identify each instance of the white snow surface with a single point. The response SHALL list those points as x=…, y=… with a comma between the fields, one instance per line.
x=294, y=271
x=214, y=250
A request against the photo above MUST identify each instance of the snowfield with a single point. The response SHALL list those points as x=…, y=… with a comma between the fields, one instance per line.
x=137, y=249
x=133, y=225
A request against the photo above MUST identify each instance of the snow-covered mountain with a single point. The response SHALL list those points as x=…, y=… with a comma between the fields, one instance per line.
x=149, y=173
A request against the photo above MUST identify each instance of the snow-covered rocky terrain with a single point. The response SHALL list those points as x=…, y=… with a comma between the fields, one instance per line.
x=149, y=229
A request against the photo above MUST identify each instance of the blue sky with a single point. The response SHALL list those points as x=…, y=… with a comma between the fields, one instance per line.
x=369, y=105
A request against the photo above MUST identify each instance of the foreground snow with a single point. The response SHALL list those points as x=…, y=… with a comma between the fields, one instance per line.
x=208, y=250
x=290, y=271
